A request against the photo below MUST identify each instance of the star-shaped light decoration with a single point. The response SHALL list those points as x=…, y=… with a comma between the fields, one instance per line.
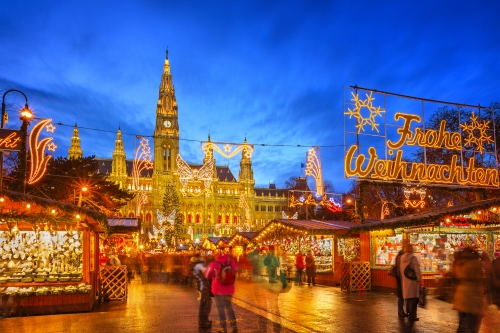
x=477, y=133
x=228, y=148
x=364, y=117
x=50, y=128
x=51, y=146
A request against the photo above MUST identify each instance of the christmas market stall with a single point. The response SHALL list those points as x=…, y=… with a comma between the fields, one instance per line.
x=240, y=250
x=323, y=238
x=122, y=243
x=48, y=255
x=435, y=234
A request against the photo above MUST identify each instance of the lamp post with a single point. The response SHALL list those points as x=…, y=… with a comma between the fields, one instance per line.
x=27, y=114
x=80, y=197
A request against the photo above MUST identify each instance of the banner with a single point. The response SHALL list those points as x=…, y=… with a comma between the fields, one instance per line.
x=10, y=140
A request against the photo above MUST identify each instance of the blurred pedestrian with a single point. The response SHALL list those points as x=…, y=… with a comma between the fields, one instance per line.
x=299, y=265
x=271, y=262
x=487, y=273
x=266, y=293
x=399, y=289
x=310, y=269
x=469, y=298
x=222, y=274
x=495, y=281
x=410, y=285
x=198, y=271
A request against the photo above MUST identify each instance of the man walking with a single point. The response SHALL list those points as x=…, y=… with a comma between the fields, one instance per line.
x=222, y=273
x=198, y=270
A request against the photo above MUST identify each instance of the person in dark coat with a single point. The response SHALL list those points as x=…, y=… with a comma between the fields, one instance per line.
x=399, y=291
x=203, y=284
x=495, y=281
x=299, y=265
x=310, y=269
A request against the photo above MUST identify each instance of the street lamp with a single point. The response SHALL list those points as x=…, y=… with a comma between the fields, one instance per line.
x=26, y=114
x=83, y=189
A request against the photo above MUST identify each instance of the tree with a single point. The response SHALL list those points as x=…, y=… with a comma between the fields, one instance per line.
x=65, y=178
x=171, y=203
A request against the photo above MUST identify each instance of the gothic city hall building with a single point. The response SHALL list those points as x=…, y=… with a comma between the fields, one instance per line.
x=212, y=200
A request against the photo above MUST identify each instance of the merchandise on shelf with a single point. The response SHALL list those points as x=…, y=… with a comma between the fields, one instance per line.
x=435, y=251
x=27, y=256
x=386, y=249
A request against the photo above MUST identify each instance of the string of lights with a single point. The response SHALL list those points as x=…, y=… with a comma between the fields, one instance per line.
x=202, y=141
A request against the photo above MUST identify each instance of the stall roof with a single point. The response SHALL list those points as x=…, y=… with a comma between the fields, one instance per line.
x=316, y=225
x=123, y=224
x=123, y=221
x=216, y=240
x=249, y=236
x=427, y=217
x=97, y=221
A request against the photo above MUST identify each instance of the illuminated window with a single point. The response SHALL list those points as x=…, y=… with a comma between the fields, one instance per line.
x=197, y=219
x=262, y=208
x=131, y=215
x=182, y=218
x=169, y=159
x=276, y=208
x=148, y=217
x=227, y=218
x=269, y=208
x=235, y=219
x=219, y=219
x=190, y=218
x=256, y=208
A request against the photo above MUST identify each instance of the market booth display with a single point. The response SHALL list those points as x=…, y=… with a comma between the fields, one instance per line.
x=122, y=243
x=48, y=255
x=321, y=237
x=436, y=235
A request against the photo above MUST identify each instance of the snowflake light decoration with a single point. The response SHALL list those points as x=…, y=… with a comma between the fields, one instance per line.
x=413, y=203
x=361, y=115
x=476, y=132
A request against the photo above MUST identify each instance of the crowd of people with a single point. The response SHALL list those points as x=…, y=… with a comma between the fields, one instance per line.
x=475, y=283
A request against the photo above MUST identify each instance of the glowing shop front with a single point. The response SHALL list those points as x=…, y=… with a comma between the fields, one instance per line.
x=48, y=255
x=435, y=235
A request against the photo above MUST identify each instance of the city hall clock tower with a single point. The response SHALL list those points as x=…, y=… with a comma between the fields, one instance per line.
x=166, y=134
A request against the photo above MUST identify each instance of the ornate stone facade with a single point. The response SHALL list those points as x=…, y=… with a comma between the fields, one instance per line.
x=215, y=209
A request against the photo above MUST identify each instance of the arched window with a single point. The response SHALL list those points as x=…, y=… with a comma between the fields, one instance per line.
x=190, y=218
x=209, y=218
x=148, y=217
x=119, y=214
x=182, y=218
x=227, y=218
x=131, y=215
x=219, y=219
x=197, y=218
x=235, y=219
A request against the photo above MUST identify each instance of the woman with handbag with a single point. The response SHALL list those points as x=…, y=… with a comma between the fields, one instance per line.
x=411, y=276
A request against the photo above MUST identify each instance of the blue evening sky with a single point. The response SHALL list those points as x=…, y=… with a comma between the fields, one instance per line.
x=271, y=70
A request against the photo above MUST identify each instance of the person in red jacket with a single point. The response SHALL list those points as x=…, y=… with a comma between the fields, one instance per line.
x=299, y=265
x=219, y=273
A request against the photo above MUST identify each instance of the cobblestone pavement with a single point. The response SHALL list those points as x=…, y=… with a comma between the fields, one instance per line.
x=156, y=307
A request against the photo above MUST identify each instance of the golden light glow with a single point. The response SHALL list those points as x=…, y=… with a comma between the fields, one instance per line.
x=313, y=168
x=414, y=203
x=244, y=204
x=2, y=199
x=359, y=114
x=359, y=165
x=26, y=113
x=78, y=216
x=53, y=211
x=204, y=174
x=38, y=164
x=28, y=206
x=229, y=150
x=50, y=128
x=472, y=129
x=142, y=161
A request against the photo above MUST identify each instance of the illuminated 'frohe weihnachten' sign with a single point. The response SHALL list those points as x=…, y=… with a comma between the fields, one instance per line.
x=371, y=166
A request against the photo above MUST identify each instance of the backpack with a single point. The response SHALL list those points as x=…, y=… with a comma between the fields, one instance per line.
x=226, y=274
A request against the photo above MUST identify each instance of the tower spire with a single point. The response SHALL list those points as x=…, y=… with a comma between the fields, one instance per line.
x=119, y=167
x=75, y=151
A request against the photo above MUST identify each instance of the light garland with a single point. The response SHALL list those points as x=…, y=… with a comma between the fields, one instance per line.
x=412, y=203
x=142, y=161
x=313, y=168
x=327, y=200
x=362, y=121
x=294, y=217
x=473, y=128
x=204, y=174
x=38, y=165
x=242, y=203
x=229, y=150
